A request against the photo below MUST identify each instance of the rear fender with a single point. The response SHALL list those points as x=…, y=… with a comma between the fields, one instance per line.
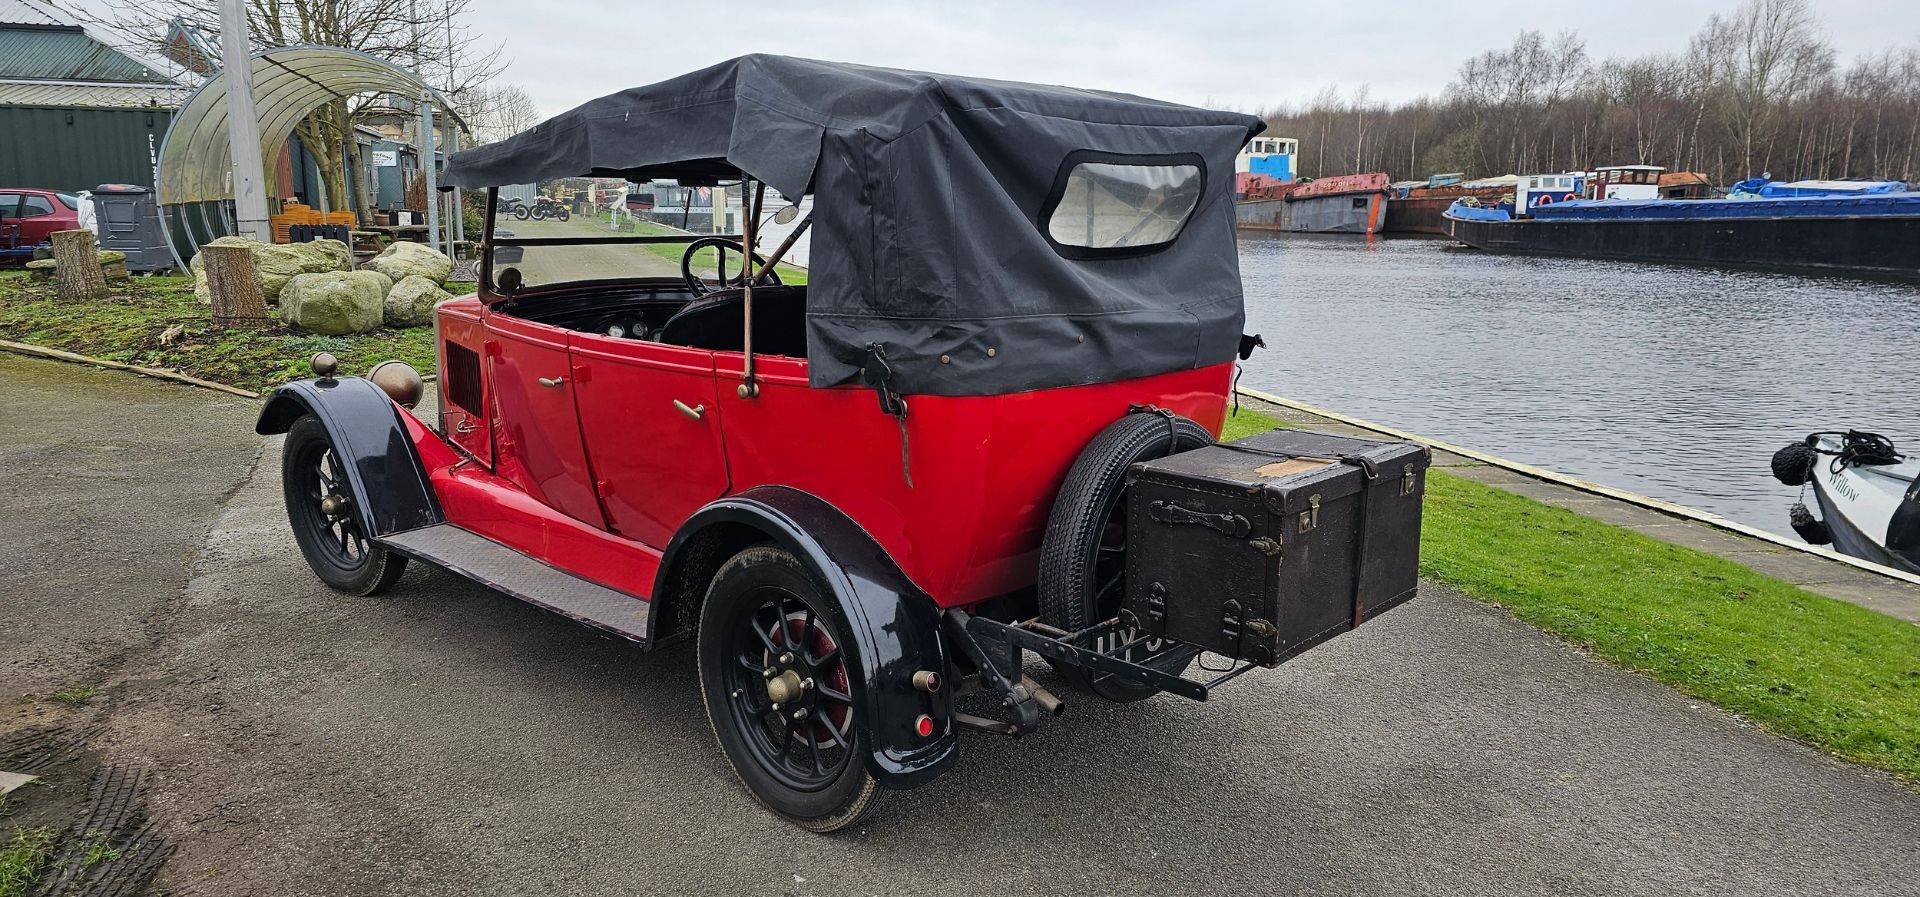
x=894, y=627
x=391, y=492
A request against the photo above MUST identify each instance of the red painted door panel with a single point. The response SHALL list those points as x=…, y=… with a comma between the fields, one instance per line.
x=463, y=388
x=536, y=427
x=656, y=464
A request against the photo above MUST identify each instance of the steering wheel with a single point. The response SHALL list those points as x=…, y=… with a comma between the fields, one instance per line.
x=721, y=246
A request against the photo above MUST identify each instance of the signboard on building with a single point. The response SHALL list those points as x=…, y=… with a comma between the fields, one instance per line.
x=386, y=158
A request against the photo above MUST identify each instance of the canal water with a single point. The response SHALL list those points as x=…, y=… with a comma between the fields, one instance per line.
x=1674, y=382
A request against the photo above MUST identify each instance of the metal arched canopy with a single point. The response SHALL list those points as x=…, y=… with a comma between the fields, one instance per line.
x=288, y=83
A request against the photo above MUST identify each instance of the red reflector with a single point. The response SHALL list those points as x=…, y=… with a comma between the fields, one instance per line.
x=923, y=725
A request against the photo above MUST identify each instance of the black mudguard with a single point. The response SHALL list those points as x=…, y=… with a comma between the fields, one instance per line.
x=894, y=626
x=390, y=487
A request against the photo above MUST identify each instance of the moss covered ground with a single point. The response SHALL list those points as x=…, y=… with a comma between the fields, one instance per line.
x=129, y=327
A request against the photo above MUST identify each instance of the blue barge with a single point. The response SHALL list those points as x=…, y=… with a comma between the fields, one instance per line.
x=1871, y=229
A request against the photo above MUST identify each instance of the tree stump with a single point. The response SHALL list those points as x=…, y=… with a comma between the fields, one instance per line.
x=234, y=287
x=77, y=276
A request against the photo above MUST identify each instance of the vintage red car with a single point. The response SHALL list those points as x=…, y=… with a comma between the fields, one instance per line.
x=867, y=494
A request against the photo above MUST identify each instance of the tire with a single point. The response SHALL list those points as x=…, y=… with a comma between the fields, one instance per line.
x=334, y=544
x=564, y=214
x=522, y=213
x=1082, y=560
x=1793, y=464
x=763, y=603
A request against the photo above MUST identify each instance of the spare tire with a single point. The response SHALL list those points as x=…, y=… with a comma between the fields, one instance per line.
x=1793, y=463
x=1083, y=558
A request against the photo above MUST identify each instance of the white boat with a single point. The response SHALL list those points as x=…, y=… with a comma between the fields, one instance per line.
x=1867, y=492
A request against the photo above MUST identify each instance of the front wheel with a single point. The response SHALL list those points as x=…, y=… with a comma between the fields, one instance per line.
x=522, y=213
x=563, y=213
x=779, y=691
x=320, y=508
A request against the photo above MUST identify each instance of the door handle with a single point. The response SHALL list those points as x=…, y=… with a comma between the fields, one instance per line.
x=552, y=382
x=692, y=411
x=464, y=427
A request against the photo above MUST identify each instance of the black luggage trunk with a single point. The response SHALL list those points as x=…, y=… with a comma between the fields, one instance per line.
x=1261, y=548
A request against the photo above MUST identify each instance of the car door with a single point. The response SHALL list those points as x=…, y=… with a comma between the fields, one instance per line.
x=649, y=413
x=37, y=220
x=535, y=424
x=10, y=220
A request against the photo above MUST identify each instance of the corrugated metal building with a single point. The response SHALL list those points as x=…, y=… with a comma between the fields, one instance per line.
x=74, y=111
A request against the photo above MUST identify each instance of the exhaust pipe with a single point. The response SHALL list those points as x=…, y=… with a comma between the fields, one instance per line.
x=1049, y=703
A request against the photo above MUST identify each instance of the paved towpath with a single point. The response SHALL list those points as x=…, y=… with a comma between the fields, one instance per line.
x=446, y=740
x=108, y=483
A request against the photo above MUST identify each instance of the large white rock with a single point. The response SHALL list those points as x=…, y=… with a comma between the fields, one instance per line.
x=335, y=303
x=277, y=263
x=403, y=260
x=410, y=303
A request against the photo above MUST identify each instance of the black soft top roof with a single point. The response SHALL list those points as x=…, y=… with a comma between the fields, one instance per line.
x=929, y=191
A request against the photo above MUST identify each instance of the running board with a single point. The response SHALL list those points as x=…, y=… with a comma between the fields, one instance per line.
x=503, y=569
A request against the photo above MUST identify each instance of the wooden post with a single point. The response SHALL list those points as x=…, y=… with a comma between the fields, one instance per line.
x=234, y=287
x=78, y=278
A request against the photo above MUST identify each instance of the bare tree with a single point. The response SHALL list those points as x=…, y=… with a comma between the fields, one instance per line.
x=1757, y=90
x=494, y=114
x=426, y=36
x=1773, y=55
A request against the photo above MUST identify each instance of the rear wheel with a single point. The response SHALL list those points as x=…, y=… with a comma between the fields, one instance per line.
x=779, y=691
x=325, y=522
x=1083, y=560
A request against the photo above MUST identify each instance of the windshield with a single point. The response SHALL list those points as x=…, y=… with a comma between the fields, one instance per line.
x=598, y=246
x=591, y=253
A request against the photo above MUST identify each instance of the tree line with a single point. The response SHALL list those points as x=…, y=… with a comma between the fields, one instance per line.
x=1758, y=90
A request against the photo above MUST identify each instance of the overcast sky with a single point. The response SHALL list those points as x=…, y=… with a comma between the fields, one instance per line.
x=1241, y=55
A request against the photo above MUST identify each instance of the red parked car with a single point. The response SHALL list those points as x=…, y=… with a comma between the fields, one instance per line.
x=868, y=494
x=28, y=218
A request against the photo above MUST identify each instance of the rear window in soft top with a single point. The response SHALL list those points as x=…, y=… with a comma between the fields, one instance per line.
x=1108, y=204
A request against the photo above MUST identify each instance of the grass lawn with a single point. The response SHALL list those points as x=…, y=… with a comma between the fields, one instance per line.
x=127, y=328
x=1809, y=667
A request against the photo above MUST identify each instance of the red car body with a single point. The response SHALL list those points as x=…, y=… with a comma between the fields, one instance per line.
x=28, y=217
x=597, y=475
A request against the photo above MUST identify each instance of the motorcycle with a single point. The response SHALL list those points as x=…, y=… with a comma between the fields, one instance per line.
x=543, y=208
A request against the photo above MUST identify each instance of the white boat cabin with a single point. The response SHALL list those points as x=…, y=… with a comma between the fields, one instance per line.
x=1271, y=156
x=1542, y=189
x=1625, y=182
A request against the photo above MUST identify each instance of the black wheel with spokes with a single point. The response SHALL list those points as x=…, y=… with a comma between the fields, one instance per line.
x=1083, y=559
x=779, y=690
x=320, y=508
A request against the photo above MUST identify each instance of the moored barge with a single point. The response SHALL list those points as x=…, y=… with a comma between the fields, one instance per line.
x=1417, y=207
x=1870, y=234
x=1343, y=204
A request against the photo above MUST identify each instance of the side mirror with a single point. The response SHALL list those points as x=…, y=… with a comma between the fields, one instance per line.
x=508, y=283
x=786, y=215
